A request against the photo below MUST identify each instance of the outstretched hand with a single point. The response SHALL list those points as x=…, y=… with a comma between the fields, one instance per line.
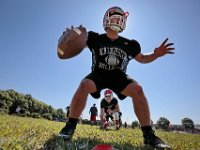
x=164, y=48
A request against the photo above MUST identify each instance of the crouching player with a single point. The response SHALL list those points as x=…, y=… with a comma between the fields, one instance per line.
x=109, y=109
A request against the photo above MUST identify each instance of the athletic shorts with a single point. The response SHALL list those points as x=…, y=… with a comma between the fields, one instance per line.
x=116, y=80
x=93, y=118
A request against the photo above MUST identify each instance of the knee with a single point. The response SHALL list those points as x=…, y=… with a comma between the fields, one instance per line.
x=137, y=90
x=101, y=115
x=86, y=85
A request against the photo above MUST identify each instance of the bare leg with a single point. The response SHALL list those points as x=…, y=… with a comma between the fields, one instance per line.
x=80, y=97
x=140, y=104
x=102, y=117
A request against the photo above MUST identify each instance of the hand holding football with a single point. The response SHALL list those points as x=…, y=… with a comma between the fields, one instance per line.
x=72, y=42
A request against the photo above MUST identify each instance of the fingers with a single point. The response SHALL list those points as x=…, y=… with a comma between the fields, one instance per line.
x=72, y=27
x=170, y=52
x=165, y=48
x=82, y=27
x=170, y=48
x=167, y=45
x=164, y=42
x=66, y=30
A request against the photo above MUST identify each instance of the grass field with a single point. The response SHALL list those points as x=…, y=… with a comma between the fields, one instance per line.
x=17, y=133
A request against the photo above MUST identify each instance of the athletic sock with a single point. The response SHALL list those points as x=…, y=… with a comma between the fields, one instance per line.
x=146, y=129
x=73, y=121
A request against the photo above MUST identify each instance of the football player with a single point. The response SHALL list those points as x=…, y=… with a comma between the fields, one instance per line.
x=111, y=54
x=109, y=109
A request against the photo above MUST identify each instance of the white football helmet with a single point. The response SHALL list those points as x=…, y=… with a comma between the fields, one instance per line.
x=115, y=18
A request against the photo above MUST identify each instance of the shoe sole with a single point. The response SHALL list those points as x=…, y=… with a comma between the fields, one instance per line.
x=65, y=137
x=166, y=148
x=162, y=147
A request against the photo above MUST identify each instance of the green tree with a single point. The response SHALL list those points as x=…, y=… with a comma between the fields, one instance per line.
x=10, y=100
x=187, y=123
x=47, y=116
x=5, y=102
x=61, y=114
x=135, y=124
x=163, y=123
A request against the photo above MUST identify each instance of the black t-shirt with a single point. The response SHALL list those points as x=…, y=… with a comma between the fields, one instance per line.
x=111, y=105
x=93, y=111
x=110, y=54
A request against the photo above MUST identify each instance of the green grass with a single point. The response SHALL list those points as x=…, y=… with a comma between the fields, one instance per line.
x=27, y=133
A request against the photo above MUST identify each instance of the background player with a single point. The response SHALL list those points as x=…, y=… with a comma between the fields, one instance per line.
x=109, y=109
x=93, y=114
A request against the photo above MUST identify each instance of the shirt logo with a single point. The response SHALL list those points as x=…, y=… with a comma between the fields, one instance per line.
x=112, y=60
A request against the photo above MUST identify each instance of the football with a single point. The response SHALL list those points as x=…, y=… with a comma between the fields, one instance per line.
x=72, y=42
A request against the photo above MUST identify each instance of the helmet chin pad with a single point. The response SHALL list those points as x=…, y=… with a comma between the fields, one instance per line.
x=115, y=28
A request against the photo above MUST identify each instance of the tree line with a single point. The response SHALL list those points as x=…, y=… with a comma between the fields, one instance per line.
x=187, y=124
x=12, y=102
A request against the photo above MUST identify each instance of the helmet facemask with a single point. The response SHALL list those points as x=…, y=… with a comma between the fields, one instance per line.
x=108, y=95
x=108, y=98
x=115, y=18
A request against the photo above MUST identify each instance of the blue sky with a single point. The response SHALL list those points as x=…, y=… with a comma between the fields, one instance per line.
x=30, y=29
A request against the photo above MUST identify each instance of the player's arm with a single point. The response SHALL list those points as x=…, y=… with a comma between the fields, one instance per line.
x=102, y=109
x=102, y=114
x=163, y=49
x=146, y=58
x=116, y=108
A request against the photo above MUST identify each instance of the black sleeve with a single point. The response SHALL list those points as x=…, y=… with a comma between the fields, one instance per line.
x=102, y=103
x=115, y=101
x=135, y=47
x=92, y=37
